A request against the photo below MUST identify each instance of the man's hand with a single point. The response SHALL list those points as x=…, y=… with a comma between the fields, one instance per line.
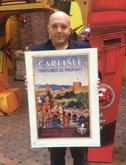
x=99, y=82
x=26, y=82
x=102, y=120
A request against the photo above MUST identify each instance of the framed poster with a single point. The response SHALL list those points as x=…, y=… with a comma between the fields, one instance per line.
x=63, y=97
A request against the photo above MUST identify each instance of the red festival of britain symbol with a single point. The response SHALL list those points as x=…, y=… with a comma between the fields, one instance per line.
x=106, y=96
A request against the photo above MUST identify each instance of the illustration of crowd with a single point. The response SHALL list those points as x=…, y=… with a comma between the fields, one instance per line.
x=52, y=114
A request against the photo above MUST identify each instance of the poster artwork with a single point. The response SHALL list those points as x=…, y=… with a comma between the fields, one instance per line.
x=62, y=100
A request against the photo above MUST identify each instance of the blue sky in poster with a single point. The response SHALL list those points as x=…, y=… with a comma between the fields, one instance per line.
x=60, y=70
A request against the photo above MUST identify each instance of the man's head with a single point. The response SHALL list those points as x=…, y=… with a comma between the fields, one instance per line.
x=59, y=29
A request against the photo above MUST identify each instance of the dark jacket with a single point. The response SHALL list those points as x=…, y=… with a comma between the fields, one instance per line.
x=72, y=45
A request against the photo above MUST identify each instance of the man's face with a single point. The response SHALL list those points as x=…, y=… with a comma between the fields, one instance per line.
x=59, y=30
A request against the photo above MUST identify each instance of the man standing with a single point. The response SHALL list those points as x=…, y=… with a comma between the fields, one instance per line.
x=59, y=29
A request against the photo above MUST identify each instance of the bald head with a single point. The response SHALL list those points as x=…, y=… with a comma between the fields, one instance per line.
x=60, y=15
x=59, y=29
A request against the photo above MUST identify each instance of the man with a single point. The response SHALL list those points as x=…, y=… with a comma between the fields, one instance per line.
x=59, y=30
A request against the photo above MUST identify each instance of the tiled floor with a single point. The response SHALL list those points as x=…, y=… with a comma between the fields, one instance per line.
x=15, y=137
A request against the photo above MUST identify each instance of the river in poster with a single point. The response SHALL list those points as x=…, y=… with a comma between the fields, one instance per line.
x=62, y=96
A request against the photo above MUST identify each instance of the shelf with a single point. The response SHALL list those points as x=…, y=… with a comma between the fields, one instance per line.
x=22, y=5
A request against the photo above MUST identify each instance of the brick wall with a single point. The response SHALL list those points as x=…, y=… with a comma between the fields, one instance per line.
x=13, y=35
x=34, y=29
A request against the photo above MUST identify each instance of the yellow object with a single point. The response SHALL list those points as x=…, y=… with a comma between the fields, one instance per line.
x=4, y=74
x=2, y=61
x=9, y=100
x=76, y=17
x=85, y=7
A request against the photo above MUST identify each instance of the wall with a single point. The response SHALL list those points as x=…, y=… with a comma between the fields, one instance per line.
x=33, y=27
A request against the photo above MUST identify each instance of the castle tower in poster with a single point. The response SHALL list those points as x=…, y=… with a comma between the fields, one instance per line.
x=77, y=85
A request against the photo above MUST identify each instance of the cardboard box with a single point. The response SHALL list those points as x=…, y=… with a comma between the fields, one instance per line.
x=9, y=100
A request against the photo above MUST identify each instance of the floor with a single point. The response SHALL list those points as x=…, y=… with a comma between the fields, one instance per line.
x=15, y=146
